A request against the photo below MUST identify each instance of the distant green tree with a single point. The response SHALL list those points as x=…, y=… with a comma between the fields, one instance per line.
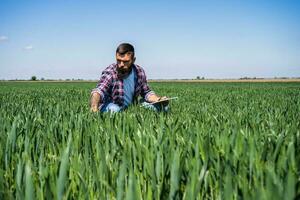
x=33, y=78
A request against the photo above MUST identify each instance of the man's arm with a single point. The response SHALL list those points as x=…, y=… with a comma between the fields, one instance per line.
x=97, y=95
x=95, y=101
x=147, y=93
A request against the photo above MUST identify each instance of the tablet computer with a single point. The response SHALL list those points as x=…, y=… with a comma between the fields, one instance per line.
x=163, y=101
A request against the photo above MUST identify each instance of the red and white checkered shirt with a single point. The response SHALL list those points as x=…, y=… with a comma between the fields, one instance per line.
x=111, y=87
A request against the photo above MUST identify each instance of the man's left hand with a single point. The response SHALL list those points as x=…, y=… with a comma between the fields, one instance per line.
x=164, y=103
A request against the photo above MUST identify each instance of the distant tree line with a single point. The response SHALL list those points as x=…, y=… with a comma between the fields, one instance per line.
x=200, y=78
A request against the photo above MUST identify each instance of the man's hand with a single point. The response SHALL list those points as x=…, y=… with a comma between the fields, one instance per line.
x=165, y=103
x=154, y=98
x=94, y=109
x=95, y=100
x=162, y=98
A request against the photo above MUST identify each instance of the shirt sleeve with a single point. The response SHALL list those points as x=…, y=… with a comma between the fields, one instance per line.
x=103, y=85
x=145, y=89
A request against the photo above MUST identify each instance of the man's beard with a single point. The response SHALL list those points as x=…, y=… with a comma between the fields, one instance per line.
x=123, y=73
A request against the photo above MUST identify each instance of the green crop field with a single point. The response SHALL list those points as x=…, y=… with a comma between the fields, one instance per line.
x=219, y=141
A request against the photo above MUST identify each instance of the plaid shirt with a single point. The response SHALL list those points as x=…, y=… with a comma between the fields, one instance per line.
x=111, y=87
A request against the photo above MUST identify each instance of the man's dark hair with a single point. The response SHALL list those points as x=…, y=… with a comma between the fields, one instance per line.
x=125, y=48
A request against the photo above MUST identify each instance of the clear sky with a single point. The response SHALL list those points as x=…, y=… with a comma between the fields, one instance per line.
x=173, y=39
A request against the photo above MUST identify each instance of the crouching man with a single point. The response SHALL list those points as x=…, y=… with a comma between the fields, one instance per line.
x=122, y=83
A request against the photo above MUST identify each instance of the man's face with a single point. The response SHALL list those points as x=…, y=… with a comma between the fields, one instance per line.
x=124, y=62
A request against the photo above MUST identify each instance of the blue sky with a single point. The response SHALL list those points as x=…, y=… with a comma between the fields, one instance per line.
x=173, y=39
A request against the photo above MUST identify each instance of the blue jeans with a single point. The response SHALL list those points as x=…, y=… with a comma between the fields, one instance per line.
x=113, y=108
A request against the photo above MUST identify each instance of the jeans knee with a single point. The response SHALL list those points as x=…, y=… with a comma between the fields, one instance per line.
x=111, y=107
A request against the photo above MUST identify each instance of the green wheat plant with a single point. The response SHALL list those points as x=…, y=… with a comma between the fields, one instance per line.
x=219, y=141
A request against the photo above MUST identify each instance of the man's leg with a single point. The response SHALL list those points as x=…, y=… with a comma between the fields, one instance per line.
x=111, y=107
x=157, y=108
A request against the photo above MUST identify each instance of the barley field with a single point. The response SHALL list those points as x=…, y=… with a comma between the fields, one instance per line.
x=219, y=141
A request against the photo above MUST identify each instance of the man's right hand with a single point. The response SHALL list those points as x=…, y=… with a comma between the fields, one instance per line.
x=95, y=100
x=94, y=109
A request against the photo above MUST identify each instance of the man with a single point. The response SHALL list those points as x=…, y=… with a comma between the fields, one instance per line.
x=121, y=83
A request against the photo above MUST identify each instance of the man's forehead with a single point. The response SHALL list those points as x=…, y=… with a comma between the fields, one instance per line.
x=124, y=55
